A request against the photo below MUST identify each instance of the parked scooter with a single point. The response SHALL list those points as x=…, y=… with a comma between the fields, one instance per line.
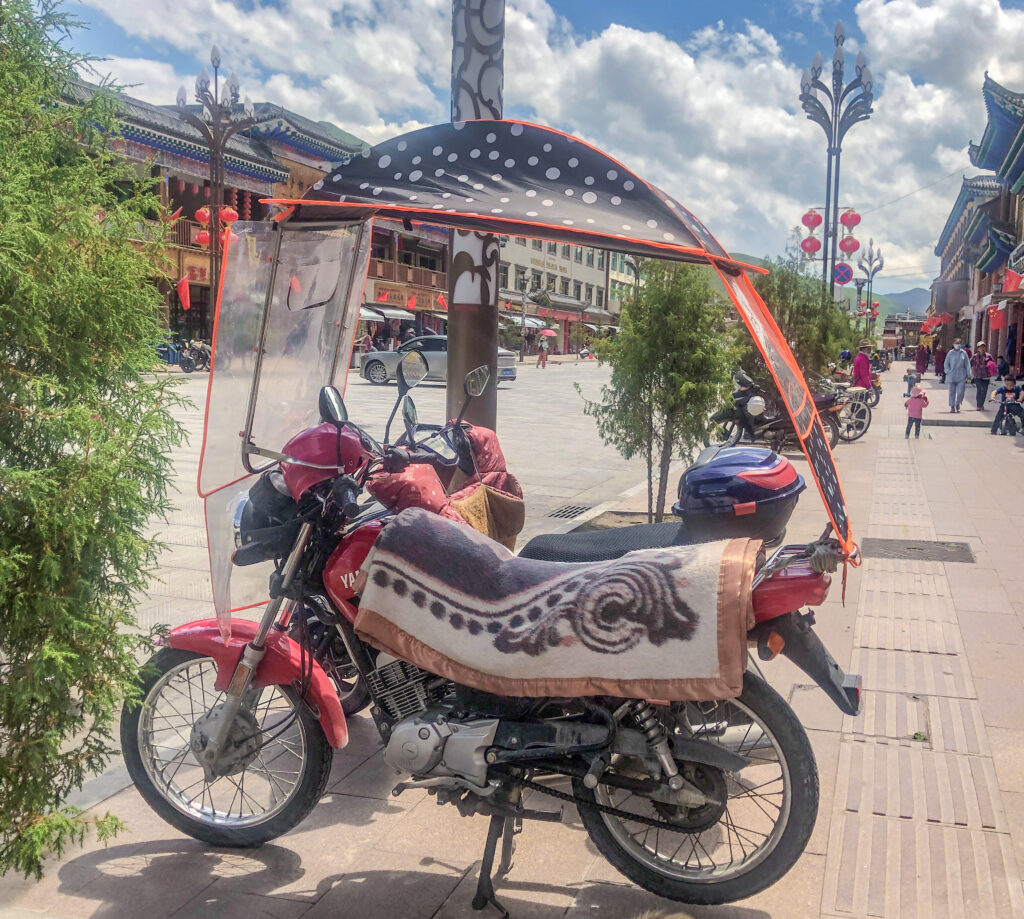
x=749, y=418
x=233, y=741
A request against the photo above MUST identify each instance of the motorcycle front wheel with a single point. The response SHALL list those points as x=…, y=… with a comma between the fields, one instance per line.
x=755, y=824
x=874, y=395
x=723, y=434
x=282, y=759
x=187, y=364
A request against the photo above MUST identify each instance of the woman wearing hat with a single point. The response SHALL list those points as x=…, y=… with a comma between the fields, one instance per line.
x=981, y=372
x=862, y=366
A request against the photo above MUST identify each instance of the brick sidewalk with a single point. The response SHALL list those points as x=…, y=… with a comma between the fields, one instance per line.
x=922, y=795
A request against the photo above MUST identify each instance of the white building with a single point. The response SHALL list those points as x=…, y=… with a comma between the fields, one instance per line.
x=575, y=278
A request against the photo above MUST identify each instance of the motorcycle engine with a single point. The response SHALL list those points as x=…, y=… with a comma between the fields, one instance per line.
x=431, y=745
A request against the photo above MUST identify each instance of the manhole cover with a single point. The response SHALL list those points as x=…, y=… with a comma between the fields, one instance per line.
x=925, y=550
x=569, y=511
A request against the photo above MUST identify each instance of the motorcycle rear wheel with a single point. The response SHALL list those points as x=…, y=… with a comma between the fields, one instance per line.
x=758, y=725
x=187, y=364
x=874, y=395
x=854, y=421
x=264, y=798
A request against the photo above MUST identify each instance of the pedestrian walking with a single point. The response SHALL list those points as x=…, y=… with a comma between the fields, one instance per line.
x=981, y=373
x=862, y=366
x=1008, y=396
x=940, y=362
x=921, y=359
x=542, y=354
x=916, y=405
x=958, y=371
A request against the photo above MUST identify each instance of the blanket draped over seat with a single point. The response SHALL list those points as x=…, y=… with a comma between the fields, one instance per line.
x=662, y=624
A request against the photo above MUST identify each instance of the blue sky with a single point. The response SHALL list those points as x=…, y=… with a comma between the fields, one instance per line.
x=699, y=97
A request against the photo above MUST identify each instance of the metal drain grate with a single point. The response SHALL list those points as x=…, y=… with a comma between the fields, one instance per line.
x=924, y=550
x=569, y=511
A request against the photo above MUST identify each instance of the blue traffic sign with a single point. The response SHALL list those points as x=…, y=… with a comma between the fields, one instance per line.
x=843, y=273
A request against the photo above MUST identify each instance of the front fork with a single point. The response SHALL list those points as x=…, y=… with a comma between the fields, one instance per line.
x=249, y=660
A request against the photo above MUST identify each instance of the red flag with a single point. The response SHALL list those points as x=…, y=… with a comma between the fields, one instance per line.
x=383, y=295
x=443, y=302
x=1012, y=281
x=183, y=293
x=411, y=302
x=997, y=316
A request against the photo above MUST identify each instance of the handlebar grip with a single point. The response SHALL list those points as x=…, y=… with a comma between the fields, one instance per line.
x=345, y=494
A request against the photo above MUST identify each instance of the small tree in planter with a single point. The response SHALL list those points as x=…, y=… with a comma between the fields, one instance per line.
x=86, y=436
x=670, y=367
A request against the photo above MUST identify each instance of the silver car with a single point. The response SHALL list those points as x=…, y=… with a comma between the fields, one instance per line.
x=381, y=366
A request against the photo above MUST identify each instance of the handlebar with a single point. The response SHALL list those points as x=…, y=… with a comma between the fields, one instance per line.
x=345, y=495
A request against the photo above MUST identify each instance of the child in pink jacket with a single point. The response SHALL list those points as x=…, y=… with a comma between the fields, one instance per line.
x=915, y=409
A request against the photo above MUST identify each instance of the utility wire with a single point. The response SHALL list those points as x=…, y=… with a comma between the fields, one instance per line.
x=914, y=192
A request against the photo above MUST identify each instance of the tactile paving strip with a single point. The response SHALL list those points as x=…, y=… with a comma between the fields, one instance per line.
x=907, y=782
x=921, y=674
x=924, y=635
x=903, y=869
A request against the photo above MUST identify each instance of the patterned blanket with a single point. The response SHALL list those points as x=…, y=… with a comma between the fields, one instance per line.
x=665, y=624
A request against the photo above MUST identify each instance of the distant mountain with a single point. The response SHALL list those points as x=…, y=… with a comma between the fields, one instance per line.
x=918, y=299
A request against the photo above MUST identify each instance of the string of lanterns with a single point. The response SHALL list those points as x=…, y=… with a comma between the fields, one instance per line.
x=848, y=244
x=228, y=215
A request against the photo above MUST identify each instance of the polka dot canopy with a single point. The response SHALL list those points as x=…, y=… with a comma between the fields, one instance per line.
x=516, y=179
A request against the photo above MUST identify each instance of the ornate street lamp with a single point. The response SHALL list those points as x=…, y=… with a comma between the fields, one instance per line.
x=217, y=122
x=842, y=108
x=871, y=263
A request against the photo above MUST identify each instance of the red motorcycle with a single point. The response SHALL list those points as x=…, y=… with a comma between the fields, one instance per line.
x=488, y=674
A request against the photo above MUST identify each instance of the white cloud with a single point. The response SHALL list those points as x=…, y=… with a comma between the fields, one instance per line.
x=714, y=120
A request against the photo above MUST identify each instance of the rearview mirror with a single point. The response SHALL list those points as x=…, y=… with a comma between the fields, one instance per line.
x=476, y=381
x=412, y=368
x=410, y=419
x=332, y=406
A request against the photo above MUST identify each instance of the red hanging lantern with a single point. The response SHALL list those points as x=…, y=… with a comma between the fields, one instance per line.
x=848, y=245
x=875, y=304
x=810, y=245
x=203, y=237
x=228, y=215
x=811, y=220
x=849, y=218
x=181, y=186
x=874, y=314
x=203, y=215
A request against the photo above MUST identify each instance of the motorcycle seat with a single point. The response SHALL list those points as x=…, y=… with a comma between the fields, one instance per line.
x=666, y=623
x=603, y=545
x=855, y=390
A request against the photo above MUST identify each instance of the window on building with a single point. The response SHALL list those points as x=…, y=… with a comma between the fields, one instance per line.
x=615, y=261
x=378, y=251
x=537, y=280
x=565, y=250
x=578, y=254
x=590, y=258
x=590, y=293
x=577, y=290
x=564, y=286
x=503, y=275
x=552, y=248
x=600, y=258
x=521, y=240
x=520, y=277
x=552, y=280
x=600, y=297
x=538, y=244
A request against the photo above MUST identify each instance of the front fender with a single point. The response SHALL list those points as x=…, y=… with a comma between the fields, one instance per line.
x=280, y=665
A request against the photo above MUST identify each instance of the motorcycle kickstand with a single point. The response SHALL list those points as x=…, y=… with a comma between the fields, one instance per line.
x=513, y=827
x=484, y=884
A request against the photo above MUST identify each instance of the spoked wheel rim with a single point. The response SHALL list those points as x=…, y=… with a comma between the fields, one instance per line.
x=751, y=823
x=377, y=372
x=268, y=779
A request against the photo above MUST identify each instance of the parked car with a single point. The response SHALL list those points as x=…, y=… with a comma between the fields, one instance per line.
x=380, y=367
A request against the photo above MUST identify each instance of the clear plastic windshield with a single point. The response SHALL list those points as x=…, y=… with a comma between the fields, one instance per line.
x=284, y=327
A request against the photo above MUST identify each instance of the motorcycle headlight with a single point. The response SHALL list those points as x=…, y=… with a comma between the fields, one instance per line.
x=756, y=406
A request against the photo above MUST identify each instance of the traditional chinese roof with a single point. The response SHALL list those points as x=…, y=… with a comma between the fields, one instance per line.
x=983, y=187
x=977, y=226
x=1005, y=113
x=1000, y=243
x=318, y=138
x=160, y=127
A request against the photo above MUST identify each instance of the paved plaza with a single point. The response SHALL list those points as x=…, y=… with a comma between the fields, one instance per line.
x=922, y=794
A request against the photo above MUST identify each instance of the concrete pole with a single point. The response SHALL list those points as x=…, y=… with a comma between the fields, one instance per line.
x=478, y=64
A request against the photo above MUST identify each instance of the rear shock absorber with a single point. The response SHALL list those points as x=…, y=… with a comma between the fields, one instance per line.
x=657, y=739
